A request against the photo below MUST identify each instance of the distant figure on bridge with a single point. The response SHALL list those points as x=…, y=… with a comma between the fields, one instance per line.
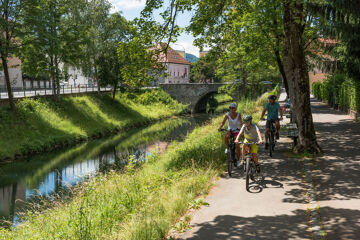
x=213, y=104
x=235, y=122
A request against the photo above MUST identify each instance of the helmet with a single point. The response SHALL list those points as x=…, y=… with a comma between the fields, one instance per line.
x=232, y=105
x=247, y=118
x=273, y=97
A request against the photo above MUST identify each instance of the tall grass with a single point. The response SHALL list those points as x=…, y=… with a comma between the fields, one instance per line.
x=141, y=203
x=42, y=124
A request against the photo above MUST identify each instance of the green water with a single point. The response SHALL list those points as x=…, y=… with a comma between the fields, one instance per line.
x=45, y=175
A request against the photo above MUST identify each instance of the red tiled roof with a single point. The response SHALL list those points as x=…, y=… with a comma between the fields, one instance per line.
x=172, y=56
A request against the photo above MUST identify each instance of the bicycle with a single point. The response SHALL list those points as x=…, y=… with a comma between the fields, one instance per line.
x=272, y=140
x=231, y=159
x=250, y=168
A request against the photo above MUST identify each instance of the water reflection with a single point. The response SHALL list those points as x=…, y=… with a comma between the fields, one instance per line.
x=46, y=174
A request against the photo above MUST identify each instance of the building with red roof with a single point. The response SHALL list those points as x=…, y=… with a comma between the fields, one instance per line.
x=177, y=69
x=317, y=73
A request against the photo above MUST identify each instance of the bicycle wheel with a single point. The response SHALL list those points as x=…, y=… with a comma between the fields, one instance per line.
x=271, y=142
x=252, y=171
x=230, y=161
x=247, y=173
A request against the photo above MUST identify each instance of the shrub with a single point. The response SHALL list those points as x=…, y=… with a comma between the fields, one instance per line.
x=347, y=91
x=155, y=96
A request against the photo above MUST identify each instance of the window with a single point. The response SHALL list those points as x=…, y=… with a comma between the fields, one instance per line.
x=170, y=74
x=178, y=74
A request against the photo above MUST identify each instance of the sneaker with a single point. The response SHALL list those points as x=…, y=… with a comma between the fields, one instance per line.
x=226, y=150
x=277, y=135
x=257, y=168
x=266, y=145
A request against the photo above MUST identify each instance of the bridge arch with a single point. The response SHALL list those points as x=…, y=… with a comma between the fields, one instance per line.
x=194, y=94
x=200, y=105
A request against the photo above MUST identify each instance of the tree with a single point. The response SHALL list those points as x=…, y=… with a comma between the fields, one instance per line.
x=225, y=24
x=116, y=30
x=51, y=37
x=297, y=74
x=140, y=62
x=95, y=19
x=9, y=30
x=340, y=20
x=204, y=70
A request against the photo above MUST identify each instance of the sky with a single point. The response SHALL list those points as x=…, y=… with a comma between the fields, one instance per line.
x=131, y=9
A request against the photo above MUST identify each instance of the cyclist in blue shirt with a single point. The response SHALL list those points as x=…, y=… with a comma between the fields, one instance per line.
x=273, y=108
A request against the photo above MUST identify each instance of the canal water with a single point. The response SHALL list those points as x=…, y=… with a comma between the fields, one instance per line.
x=22, y=182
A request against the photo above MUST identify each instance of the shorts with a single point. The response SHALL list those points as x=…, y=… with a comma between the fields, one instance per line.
x=235, y=134
x=268, y=122
x=253, y=148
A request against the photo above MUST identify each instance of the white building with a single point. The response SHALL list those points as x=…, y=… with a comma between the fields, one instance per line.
x=76, y=78
x=16, y=81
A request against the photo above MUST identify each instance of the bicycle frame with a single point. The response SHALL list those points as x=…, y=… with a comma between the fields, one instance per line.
x=249, y=164
x=231, y=160
x=272, y=137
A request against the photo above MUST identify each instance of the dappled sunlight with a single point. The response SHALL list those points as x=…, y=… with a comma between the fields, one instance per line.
x=336, y=174
x=257, y=227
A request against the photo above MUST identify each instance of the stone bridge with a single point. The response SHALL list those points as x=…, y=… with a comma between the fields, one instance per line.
x=195, y=94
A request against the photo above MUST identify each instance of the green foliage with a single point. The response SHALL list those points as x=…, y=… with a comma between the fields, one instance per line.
x=139, y=62
x=41, y=124
x=345, y=90
x=115, y=30
x=131, y=205
x=204, y=70
x=156, y=96
x=340, y=20
x=223, y=97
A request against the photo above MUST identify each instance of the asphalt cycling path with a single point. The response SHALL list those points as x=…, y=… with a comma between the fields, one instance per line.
x=277, y=209
x=273, y=209
x=336, y=175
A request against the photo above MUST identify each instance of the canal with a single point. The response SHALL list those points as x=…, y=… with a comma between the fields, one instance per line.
x=24, y=182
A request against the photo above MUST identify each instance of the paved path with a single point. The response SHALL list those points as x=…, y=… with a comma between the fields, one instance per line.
x=336, y=175
x=279, y=210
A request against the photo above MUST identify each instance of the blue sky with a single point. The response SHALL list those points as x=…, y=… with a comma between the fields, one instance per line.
x=131, y=9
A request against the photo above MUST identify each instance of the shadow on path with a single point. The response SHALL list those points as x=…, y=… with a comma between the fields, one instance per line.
x=259, y=227
x=336, y=174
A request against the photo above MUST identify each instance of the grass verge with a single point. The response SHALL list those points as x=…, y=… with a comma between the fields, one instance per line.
x=41, y=124
x=141, y=203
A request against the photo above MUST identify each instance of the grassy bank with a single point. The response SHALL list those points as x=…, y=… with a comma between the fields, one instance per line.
x=41, y=125
x=145, y=201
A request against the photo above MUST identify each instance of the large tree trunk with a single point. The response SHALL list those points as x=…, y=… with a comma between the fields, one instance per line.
x=8, y=84
x=296, y=73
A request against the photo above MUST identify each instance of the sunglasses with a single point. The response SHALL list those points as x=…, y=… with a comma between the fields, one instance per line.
x=232, y=108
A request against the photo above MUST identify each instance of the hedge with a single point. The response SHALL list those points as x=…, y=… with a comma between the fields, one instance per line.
x=347, y=91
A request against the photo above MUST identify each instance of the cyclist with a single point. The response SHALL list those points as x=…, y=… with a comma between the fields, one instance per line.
x=235, y=122
x=251, y=134
x=273, y=108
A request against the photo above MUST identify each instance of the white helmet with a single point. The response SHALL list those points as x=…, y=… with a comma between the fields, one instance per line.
x=232, y=105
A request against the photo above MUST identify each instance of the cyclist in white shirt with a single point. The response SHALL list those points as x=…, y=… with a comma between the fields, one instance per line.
x=234, y=123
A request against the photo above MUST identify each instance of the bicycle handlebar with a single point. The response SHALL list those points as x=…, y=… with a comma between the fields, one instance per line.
x=249, y=143
x=225, y=130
